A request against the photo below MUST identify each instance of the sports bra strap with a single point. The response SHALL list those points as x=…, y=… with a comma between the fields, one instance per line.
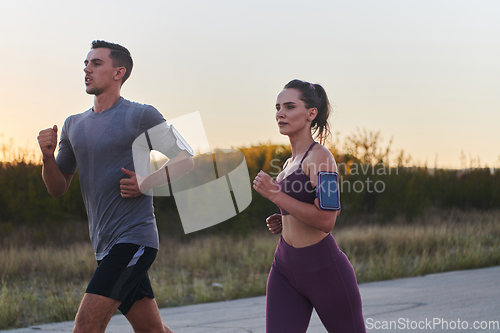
x=307, y=152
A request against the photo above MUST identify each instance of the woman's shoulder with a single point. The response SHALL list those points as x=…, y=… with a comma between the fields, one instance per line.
x=320, y=158
x=321, y=153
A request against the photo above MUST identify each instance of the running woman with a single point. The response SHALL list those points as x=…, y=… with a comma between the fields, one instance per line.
x=122, y=225
x=309, y=270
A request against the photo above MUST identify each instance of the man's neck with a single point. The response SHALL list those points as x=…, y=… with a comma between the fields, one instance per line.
x=104, y=101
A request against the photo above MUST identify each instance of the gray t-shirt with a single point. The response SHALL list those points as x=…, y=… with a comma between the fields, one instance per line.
x=100, y=144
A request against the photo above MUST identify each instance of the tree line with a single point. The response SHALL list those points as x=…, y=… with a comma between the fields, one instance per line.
x=371, y=184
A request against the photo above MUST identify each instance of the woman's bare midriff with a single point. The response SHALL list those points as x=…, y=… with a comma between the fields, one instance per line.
x=299, y=234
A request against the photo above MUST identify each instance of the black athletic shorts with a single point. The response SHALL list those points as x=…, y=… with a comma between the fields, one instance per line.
x=123, y=275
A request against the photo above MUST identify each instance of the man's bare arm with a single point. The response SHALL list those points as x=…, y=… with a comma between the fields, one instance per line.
x=175, y=168
x=57, y=183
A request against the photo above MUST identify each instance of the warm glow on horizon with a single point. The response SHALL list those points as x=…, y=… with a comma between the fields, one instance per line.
x=423, y=73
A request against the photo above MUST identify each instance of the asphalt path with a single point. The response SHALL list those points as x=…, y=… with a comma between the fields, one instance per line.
x=460, y=301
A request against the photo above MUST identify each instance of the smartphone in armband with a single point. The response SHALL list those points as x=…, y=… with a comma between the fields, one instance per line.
x=327, y=190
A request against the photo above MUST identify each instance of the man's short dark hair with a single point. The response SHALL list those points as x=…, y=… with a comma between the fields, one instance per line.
x=120, y=55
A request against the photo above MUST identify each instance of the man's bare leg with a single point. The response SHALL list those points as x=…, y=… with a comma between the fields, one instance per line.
x=94, y=313
x=145, y=317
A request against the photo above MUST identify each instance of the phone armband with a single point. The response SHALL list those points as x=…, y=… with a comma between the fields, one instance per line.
x=327, y=190
x=180, y=144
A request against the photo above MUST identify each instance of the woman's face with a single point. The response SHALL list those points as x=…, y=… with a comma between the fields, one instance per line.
x=291, y=112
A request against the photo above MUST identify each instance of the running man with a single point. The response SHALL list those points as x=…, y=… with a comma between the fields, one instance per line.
x=122, y=225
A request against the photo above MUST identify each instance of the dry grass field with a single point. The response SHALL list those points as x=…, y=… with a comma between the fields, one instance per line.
x=45, y=283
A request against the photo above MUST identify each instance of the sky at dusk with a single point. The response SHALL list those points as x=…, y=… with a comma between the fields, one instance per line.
x=426, y=73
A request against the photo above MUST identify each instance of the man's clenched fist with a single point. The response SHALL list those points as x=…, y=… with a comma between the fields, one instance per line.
x=47, y=139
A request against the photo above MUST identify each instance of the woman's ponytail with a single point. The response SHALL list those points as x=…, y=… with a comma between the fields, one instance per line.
x=314, y=95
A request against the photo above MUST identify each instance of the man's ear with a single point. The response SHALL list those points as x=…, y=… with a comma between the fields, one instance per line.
x=120, y=72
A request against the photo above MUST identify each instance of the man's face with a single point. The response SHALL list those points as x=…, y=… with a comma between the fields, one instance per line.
x=99, y=71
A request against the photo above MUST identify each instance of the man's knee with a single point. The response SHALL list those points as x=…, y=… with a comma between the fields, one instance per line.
x=145, y=317
x=94, y=313
x=94, y=328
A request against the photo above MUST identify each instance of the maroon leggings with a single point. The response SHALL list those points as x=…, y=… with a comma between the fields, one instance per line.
x=318, y=276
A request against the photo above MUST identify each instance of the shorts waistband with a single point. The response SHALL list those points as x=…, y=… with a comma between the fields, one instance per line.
x=310, y=258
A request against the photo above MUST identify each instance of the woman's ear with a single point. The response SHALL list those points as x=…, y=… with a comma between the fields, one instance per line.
x=313, y=112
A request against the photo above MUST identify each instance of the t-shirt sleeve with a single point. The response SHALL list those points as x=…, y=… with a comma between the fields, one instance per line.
x=150, y=118
x=159, y=133
x=65, y=159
